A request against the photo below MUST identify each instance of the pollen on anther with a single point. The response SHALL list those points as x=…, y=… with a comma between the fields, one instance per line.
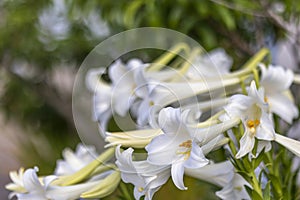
x=266, y=99
x=186, y=144
x=187, y=152
x=140, y=189
x=252, y=124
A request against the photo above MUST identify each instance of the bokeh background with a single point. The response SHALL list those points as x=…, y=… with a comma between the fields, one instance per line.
x=43, y=43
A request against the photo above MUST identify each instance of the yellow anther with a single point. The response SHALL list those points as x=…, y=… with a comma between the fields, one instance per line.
x=252, y=124
x=140, y=189
x=186, y=144
x=151, y=103
x=266, y=99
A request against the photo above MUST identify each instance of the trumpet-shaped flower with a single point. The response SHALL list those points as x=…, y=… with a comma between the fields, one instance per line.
x=114, y=97
x=252, y=110
x=217, y=62
x=276, y=81
x=31, y=187
x=74, y=161
x=183, y=144
x=147, y=178
x=175, y=147
x=124, y=84
x=101, y=99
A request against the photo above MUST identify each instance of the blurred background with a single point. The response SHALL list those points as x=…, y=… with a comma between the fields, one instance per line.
x=43, y=43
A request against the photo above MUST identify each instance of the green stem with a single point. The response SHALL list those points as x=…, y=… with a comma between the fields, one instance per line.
x=255, y=184
x=243, y=86
x=251, y=63
x=256, y=77
x=256, y=59
x=187, y=64
x=124, y=189
x=164, y=59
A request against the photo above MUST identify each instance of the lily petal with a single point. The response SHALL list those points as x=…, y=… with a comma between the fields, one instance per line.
x=246, y=144
x=177, y=172
x=290, y=144
x=197, y=158
x=283, y=107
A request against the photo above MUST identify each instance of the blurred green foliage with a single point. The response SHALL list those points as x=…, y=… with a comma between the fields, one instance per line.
x=43, y=36
x=238, y=25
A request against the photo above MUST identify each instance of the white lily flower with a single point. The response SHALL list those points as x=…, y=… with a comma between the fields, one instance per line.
x=223, y=175
x=41, y=189
x=155, y=93
x=144, y=108
x=118, y=96
x=165, y=93
x=161, y=94
x=276, y=81
x=123, y=82
x=74, y=161
x=217, y=62
x=101, y=99
x=175, y=147
x=143, y=105
x=17, y=182
x=235, y=189
x=146, y=81
x=252, y=110
x=147, y=178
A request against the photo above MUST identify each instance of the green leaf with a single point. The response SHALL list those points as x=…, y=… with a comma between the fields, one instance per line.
x=226, y=17
x=249, y=190
x=130, y=13
x=256, y=196
x=267, y=192
x=246, y=176
x=277, y=188
x=247, y=164
x=259, y=159
x=208, y=37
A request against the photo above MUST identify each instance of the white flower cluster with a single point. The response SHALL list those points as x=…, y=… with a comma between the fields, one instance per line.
x=169, y=124
x=78, y=175
x=182, y=113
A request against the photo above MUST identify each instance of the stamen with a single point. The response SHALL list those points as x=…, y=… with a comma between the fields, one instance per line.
x=266, y=99
x=187, y=144
x=252, y=124
x=140, y=189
